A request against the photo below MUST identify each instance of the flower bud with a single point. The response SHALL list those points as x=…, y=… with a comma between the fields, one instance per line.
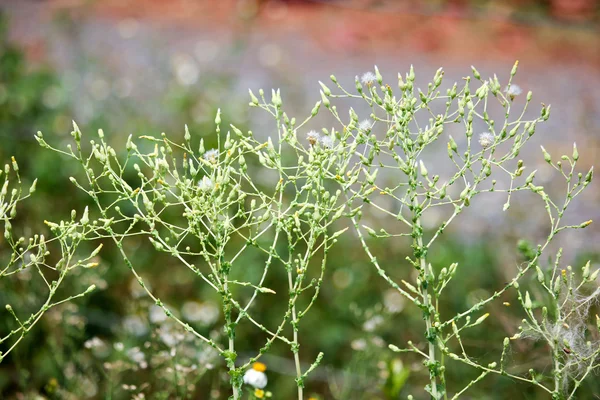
x=546, y=155
x=315, y=109
x=586, y=270
x=481, y=319
x=528, y=303
x=76, y=132
x=85, y=218
x=423, y=170
x=325, y=100
x=326, y=90
x=588, y=177
x=540, y=274
x=253, y=99
x=378, y=75
x=513, y=72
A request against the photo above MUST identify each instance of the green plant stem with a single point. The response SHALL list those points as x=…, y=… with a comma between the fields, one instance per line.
x=231, y=346
x=556, y=355
x=420, y=253
x=429, y=317
x=295, y=341
x=234, y=386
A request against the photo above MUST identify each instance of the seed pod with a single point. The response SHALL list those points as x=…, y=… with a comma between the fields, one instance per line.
x=540, y=274
x=528, y=303
x=546, y=155
x=586, y=270
x=326, y=90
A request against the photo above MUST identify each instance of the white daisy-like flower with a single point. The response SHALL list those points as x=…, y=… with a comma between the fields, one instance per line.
x=486, y=139
x=206, y=184
x=513, y=90
x=256, y=376
x=327, y=142
x=212, y=156
x=368, y=78
x=313, y=137
x=365, y=125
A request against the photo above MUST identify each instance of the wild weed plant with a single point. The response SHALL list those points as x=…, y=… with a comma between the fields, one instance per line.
x=561, y=318
x=284, y=198
x=50, y=260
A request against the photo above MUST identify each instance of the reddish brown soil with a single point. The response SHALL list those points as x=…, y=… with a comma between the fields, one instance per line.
x=363, y=25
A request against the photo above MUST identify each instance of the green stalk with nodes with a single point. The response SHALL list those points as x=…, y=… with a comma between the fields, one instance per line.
x=206, y=206
x=35, y=255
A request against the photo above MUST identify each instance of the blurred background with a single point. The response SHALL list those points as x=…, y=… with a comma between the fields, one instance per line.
x=146, y=67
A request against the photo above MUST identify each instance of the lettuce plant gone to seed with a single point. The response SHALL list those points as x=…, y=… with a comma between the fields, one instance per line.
x=282, y=199
x=392, y=177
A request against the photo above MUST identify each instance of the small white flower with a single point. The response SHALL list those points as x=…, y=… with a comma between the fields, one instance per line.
x=212, y=156
x=255, y=378
x=365, y=125
x=486, y=139
x=206, y=184
x=313, y=137
x=327, y=141
x=368, y=78
x=513, y=90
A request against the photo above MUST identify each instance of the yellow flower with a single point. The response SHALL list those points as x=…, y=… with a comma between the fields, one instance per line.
x=258, y=366
x=259, y=393
x=52, y=385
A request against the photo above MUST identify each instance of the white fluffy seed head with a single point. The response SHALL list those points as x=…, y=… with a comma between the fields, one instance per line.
x=327, y=141
x=212, y=156
x=513, y=90
x=368, y=78
x=313, y=137
x=486, y=139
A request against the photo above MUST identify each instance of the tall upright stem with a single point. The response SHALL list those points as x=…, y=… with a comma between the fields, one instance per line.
x=433, y=370
x=231, y=336
x=420, y=253
x=556, y=355
x=295, y=341
x=234, y=386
